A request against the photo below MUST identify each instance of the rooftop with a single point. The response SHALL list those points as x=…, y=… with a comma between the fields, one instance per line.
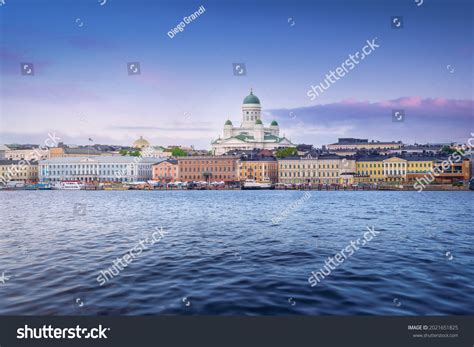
x=101, y=159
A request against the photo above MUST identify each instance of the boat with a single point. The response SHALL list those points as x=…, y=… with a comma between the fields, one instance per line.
x=252, y=184
x=43, y=186
x=68, y=185
x=14, y=185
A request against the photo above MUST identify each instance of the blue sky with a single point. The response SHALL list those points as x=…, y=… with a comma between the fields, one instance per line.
x=186, y=89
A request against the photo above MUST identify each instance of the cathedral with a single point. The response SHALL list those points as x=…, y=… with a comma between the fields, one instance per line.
x=251, y=134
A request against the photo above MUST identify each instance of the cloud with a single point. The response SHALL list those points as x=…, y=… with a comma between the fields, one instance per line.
x=175, y=128
x=427, y=120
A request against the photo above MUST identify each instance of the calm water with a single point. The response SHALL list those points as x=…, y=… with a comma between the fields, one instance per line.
x=223, y=255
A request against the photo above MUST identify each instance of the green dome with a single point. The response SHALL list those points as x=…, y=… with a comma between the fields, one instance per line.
x=251, y=99
x=258, y=121
x=228, y=122
x=274, y=122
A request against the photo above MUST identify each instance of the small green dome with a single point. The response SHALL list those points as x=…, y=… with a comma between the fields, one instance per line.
x=228, y=122
x=251, y=99
x=258, y=121
x=274, y=122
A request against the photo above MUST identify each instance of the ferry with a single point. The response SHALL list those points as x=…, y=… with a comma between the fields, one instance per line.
x=68, y=185
x=252, y=184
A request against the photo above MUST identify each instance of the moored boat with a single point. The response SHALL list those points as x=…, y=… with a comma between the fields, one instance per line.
x=252, y=184
x=68, y=185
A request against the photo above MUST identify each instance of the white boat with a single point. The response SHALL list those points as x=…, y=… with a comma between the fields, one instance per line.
x=252, y=184
x=68, y=185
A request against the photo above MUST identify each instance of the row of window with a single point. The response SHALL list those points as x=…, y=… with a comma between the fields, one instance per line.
x=208, y=169
x=222, y=162
x=90, y=166
x=309, y=174
x=200, y=177
x=92, y=172
x=309, y=166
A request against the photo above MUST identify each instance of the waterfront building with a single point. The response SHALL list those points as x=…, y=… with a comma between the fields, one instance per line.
x=369, y=169
x=349, y=146
x=316, y=168
x=258, y=168
x=208, y=168
x=395, y=169
x=97, y=169
x=18, y=170
x=166, y=171
x=448, y=174
x=251, y=134
x=331, y=167
x=298, y=170
x=407, y=169
x=376, y=169
x=419, y=166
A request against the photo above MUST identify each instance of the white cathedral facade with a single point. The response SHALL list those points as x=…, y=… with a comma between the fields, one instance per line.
x=251, y=134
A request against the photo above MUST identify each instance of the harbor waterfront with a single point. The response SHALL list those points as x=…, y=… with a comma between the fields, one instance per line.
x=223, y=253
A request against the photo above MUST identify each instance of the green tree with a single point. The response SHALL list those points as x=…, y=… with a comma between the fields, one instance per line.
x=134, y=153
x=178, y=152
x=448, y=150
x=286, y=152
x=123, y=152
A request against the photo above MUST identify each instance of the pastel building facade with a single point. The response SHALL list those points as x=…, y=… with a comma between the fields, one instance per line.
x=259, y=169
x=18, y=171
x=208, y=168
x=97, y=169
x=316, y=169
x=166, y=171
x=378, y=169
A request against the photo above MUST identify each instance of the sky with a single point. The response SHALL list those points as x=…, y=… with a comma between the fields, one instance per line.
x=187, y=89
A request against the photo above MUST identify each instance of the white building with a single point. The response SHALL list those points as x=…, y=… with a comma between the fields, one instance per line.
x=251, y=134
x=97, y=168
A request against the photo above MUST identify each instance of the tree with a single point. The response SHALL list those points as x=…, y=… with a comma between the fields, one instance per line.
x=123, y=152
x=134, y=153
x=286, y=152
x=178, y=152
x=448, y=150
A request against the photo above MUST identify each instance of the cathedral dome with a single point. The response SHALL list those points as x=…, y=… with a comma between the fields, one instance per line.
x=251, y=99
x=228, y=122
x=141, y=143
x=258, y=121
x=274, y=122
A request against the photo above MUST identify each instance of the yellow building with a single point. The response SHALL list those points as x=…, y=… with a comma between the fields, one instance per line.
x=392, y=169
x=260, y=169
x=395, y=169
x=419, y=167
x=369, y=170
x=18, y=170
